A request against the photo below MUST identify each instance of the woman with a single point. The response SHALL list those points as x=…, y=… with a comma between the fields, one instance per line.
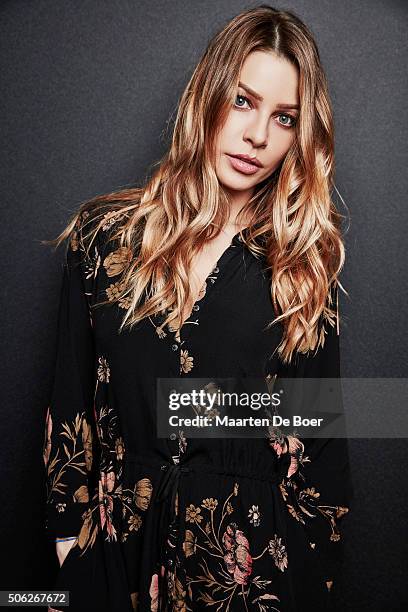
x=225, y=264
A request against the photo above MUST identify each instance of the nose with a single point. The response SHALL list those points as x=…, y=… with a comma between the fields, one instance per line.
x=257, y=132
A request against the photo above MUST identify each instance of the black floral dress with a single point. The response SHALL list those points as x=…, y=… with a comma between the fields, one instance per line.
x=232, y=524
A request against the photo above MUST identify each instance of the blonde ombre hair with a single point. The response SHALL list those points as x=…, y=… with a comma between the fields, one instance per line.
x=293, y=222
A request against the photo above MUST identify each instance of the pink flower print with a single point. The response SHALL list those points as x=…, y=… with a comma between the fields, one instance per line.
x=109, y=480
x=154, y=593
x=279, y=448
x=277, y=442
x=296, y=449
x=154, y=590
x=237, y=558
x=106, y=485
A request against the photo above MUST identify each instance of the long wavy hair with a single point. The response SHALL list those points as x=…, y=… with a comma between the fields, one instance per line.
x=293, y=222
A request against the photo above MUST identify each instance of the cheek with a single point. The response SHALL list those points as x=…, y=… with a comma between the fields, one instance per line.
x=230, y=133
x=281, y=141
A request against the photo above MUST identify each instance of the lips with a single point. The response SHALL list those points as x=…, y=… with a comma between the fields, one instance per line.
x=249, y=160
x=242, y=164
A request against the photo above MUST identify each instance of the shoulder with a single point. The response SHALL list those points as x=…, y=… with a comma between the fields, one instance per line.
x=92, y=244
x=95, y=229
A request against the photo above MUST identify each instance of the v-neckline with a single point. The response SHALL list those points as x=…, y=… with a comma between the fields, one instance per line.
x=235, y=241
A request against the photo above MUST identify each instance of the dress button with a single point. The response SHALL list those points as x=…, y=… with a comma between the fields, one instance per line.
x=175, y=347
x=170, y=562
x=173, y=436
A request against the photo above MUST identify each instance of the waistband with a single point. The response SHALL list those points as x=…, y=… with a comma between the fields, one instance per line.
x=185, y=467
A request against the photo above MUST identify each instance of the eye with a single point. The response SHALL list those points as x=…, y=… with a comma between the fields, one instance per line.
x=289, y=122
x=242, y=98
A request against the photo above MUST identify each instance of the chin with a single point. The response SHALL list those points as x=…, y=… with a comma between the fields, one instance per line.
x=234, y=186
x=233, y=182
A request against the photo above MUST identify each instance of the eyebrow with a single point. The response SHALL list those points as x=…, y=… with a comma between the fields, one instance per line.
x=260, y=98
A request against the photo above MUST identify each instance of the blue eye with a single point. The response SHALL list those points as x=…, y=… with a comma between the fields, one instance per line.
x=292, y=121
x=242, y=98
x=288, y=124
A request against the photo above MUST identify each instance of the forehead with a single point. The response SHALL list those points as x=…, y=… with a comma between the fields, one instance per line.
x=274, y=78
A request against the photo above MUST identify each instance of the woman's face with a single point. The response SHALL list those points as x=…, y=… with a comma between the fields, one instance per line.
x=260, y=123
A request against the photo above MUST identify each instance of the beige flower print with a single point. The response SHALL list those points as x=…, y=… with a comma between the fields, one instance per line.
x=114, y=290
x=71, y=450
x=103, y=370
x=189, y=544
x=135, y=522
x=81, y=495
x=87, y=444
x=73, y=457
x=143, y=493
x=47, y=441
x=133, y=500
x=278, y=551
x=109, y=219
x=255, y=516
x=117, y=261
x=119, y=448
x=193, y=514
x=305, y=506
x=74, y=239
x=178, y=594
x=160, y=331
x=186, y=362
x=92, y=265
x=75, y=244
x=210, y=503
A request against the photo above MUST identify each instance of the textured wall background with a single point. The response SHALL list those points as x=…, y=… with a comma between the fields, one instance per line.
x=89, y=89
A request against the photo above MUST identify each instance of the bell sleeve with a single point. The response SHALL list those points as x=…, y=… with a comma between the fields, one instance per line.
x=318, y=489
x=70, y=432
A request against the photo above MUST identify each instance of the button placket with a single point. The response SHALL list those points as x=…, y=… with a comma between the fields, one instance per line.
x=186, y=359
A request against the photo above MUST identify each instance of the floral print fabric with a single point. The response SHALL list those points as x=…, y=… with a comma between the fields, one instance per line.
x=182, y=524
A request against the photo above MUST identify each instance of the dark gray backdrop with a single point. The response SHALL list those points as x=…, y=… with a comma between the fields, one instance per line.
x=88, y=89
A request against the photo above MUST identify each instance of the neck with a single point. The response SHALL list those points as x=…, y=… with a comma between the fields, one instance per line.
x=238, y=199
